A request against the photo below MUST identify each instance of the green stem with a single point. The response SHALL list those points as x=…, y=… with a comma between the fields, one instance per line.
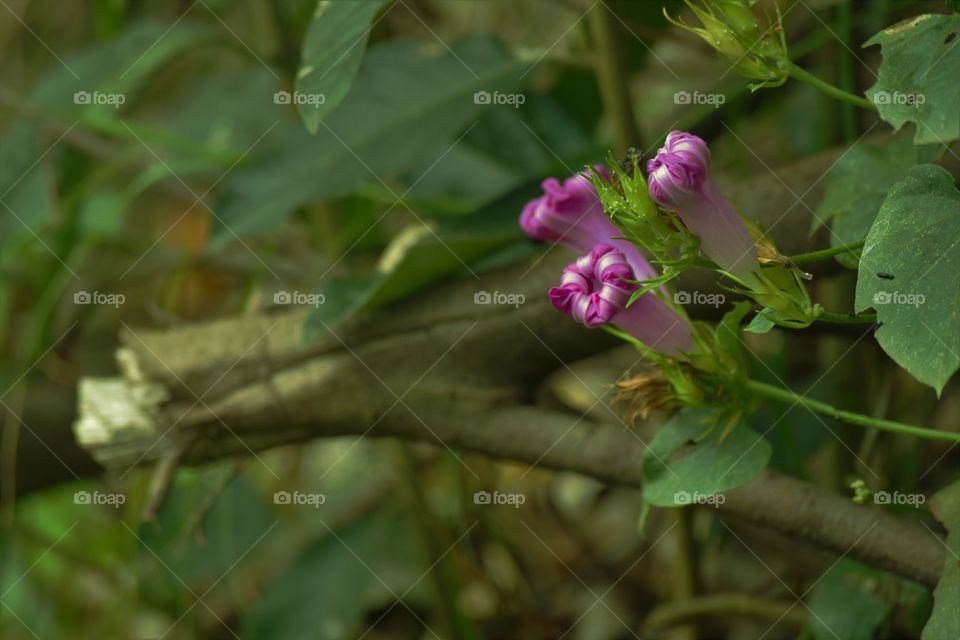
x=846, y=318
x=805, y=76
x=848, y=116
x=772, y=392
x=611, y=72
x=822, y=254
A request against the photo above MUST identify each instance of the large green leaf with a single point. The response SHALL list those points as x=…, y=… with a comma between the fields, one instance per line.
x=504, y=149
x=332, y=51
x=917, y=81
x=229, y=111
x=233, y=525
x=684, y=466
x=26, y=188
x=408, y=102
x=856, y=187
x=119, y=66
x=944, y=623
x=325, y=592
x=910, y=273
x=846, y=604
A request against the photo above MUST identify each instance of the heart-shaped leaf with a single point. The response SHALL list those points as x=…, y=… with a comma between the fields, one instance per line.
x=910, y=273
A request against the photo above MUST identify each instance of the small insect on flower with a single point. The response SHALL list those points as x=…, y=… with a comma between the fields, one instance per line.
x=628, y=164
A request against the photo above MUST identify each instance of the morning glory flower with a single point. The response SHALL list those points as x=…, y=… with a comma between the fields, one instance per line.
x=680, y=180
x=570, y=213
x=595, y=291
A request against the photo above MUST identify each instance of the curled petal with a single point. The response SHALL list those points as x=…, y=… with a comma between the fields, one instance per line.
x=679, y=169
x=595, y=291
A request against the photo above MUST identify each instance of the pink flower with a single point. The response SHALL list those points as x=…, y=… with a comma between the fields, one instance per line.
x=570, y=213
x=594, y=291
x=680, y=180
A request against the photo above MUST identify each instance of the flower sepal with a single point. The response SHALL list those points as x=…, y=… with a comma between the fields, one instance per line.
x=626, y=199
x=784, y=293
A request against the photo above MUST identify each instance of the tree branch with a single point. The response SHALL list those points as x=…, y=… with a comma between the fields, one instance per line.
x=435, y=374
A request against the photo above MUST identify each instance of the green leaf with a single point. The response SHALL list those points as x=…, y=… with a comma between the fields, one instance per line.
x=227, y=112
x=504, y=149
x=682, y=466
x=944, y=623
x=119, y=66
x=846, y=604
x=761, y=322
x=332, y=51
x=727, y=333
x=25, y=186
x=343, y=296
x=233, y=525
x=917, y=80
x=856, y=187
x=908, y=273
x=407, y=104
x=326, y=590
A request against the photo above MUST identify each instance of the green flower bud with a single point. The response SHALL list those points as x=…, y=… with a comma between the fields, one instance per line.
x=732, y=29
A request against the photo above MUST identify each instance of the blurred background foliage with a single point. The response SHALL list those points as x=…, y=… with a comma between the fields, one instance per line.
x=201, y=196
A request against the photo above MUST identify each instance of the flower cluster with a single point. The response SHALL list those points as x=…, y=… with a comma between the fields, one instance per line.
x=613, y=285
x=596, y=290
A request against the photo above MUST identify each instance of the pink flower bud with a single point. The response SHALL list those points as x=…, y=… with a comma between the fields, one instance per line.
x=680, y=180
x=595, y=290
x=570, y=213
